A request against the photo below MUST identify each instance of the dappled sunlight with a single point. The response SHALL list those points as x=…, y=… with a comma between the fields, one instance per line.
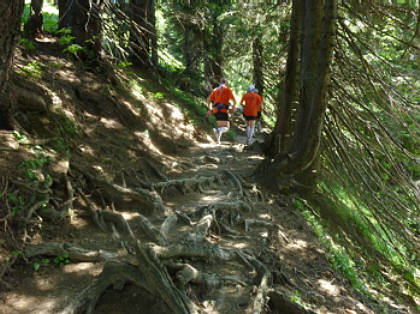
x=328, y=287
x=111, y=123
x=129, y=215
x=256, y=157
x=175, y=113
x=81, y=268
x=265, y=216
x=133, y=109
x=144, y=137
x=297, y=244
x=85, y=149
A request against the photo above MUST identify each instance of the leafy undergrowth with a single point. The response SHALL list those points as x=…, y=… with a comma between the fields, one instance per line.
x=111, y=180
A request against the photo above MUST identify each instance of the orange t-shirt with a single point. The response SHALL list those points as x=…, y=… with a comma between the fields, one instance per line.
x=253, y=103
x=221, y=95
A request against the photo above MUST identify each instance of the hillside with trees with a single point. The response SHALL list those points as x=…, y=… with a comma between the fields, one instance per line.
x=115, y=196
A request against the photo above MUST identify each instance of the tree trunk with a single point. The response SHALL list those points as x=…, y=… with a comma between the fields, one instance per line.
x=11, y=13
x=153, y=33
x=214, y=61
x=33, y=28
x=257, y=58
x=140, y=31
x=282, y=130
x=86, y=25
x=318, y=25
x=63, y=14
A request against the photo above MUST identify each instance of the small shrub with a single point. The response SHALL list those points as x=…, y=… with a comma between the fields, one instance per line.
x=27, y=44
x=32, y=69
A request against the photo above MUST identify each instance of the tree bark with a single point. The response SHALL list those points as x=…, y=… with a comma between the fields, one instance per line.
x=318, y=28
x=85, y=22
x=257, y=58
x=33, y=28
x=140, y=30
x=282, y=131
x=214, y=61
x=153, y=32
x=63, y=11
x=11, y=13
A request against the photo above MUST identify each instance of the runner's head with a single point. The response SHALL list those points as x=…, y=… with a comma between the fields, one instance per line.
x=251, y=88
x=224, y=81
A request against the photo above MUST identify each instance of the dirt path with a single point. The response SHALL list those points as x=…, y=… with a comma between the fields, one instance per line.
x=250, y=244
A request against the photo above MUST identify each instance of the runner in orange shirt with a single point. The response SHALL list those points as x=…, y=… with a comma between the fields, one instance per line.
x=220, y=99
x=253, y=104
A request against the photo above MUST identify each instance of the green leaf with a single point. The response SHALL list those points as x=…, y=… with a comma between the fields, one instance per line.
x=36, y=266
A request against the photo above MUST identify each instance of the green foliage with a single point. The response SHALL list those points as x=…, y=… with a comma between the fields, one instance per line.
x=66, y=40
x=49, y=14
x=27, y=44
x=64, y=30
x=230, y=135
x=66, y=125
x=159, y=95
x=17, y=202
x=20, y=137
x=297, y=299
x=59, y=260
x=73, y=49
x=32, y=69
x=337, y=255
x=124, y=64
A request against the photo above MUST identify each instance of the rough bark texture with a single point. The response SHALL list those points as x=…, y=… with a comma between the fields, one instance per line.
x=214, y=61
x=10, y=12
x=83, y=17
x=154, y=35
x=282, y=131
x=257, y=58
x=33, y=28
x=318, y=27
x=63, y=13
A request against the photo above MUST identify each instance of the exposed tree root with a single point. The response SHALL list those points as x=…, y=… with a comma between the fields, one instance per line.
x=260, y=300
x=149, y=274
x=149, y=229
x=167, y=225
x=149, y=198
x=106, y=220
x=279, y=303
x=187, y=185
x=188, y=249
x=187, y=273
x=74, y=253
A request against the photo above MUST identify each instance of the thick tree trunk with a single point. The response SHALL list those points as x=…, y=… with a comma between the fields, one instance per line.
x=11, y=13
x=318, y=25
x=33, y=28
x=282, y=130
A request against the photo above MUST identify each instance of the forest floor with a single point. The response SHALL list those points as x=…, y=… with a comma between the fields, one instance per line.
x=149, y=193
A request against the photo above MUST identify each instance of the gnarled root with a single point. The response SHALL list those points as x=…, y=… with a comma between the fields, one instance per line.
x=73, y=252
x=187, y=273
x=187, y=185
x=149, y=275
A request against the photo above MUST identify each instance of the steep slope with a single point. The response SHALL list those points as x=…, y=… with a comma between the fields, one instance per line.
x=114, y=203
